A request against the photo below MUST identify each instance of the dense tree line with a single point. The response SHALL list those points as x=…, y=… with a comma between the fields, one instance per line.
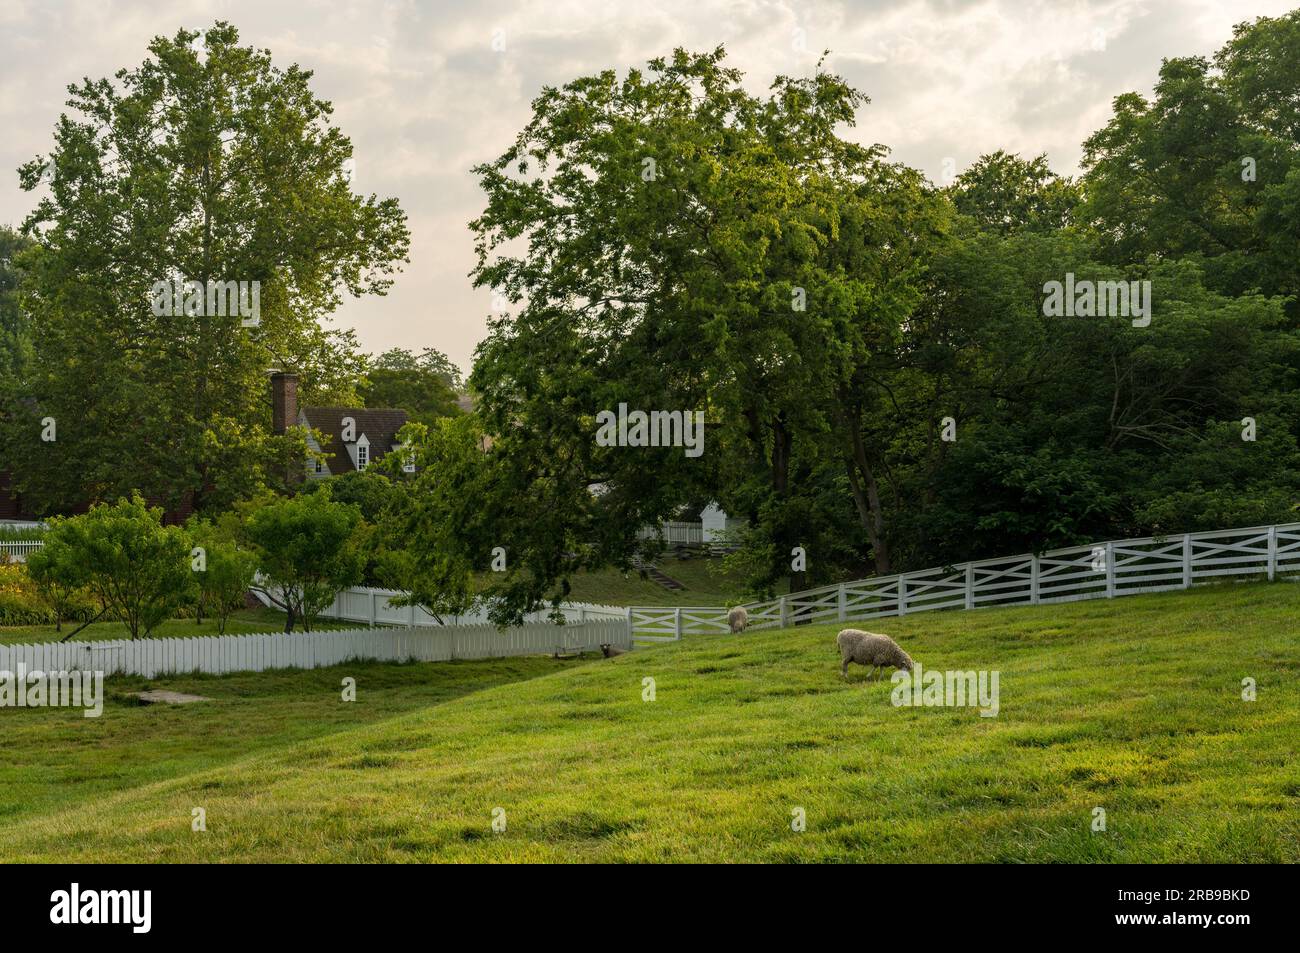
x=881, y=382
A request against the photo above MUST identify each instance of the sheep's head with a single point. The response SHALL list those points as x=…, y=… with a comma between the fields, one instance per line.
x=907, y=661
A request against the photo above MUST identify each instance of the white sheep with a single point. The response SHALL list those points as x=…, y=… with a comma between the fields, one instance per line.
x=737, y=618
x=870, y=648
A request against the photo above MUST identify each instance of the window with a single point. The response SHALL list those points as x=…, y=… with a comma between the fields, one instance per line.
x=363, y=455
x=320, y=466
x=408, y=458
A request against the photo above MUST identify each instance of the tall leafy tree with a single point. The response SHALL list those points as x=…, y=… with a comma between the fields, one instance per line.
x=673, y=242
x=425, y=385
x=308, y=548
x=205, y=163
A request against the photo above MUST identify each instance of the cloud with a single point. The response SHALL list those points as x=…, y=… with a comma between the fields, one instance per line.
x=424, y=92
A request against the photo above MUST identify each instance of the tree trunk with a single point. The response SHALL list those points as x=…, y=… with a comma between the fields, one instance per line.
x=866, y=496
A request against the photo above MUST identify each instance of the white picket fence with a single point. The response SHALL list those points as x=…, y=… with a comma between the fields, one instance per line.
x=1099, y=571
x=20, y=549
x=220, y=654
x=374, y=606
x=675, y=533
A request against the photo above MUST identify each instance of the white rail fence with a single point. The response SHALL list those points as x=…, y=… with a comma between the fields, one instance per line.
x=374, y=606
x=218, y=655
x=1100, y=571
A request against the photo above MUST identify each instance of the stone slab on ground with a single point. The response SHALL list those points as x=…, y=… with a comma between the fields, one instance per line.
x=171, y=698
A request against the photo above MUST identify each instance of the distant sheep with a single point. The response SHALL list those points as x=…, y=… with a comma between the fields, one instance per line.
x=610, y=650
x=870, y=648
x=737, y=618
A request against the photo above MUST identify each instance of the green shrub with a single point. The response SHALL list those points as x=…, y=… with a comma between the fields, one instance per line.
x=21, y=602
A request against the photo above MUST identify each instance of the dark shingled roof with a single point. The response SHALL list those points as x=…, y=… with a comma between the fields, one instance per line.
x=379, y=426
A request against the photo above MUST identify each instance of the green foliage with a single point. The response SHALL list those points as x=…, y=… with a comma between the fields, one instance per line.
x=135, y=566
x=57, y=573
x=654, y=232
x=1004, y=193
x=225, y=168
x=308, y=548
x=423, y=385
x=458, y=501
x=15, y=334
x=377, y=498
x=224, y=573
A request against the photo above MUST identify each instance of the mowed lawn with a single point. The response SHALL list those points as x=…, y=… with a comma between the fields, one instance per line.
x=1132, y=706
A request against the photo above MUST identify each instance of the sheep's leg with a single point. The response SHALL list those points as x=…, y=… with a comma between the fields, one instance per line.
x=844, y=669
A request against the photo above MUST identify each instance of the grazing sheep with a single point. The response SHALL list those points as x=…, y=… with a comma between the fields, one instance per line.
x=737, y=618
x=870, y=648
x=610, y=651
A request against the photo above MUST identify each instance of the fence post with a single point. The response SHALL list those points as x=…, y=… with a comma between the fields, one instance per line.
x=677, y=623
x=1033, y=579
x=843, y=602
x=902, y=594
x=631, y=629
x=1110, y=570
x=374, y=615
x=1187, y=560
x=970, y=585
x=1272, y=552
x=781, y=611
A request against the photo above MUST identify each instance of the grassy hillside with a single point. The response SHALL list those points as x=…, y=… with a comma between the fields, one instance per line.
x=1133, y=706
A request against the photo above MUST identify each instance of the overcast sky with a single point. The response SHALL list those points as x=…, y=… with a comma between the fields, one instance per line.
x=427, y=89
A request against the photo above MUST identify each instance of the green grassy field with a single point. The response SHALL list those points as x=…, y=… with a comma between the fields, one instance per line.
x=1133, y=706
x=241, y=621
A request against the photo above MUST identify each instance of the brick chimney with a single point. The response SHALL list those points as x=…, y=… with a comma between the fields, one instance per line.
x=284, y=402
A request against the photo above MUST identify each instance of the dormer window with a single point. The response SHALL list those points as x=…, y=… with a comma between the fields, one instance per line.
x=363, y=455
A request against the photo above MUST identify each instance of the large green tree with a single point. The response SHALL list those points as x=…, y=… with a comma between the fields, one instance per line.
x=204, y=163
x=425, y=385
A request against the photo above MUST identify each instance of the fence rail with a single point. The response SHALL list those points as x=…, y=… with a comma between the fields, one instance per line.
x=20, y=549
x=375, y=607
x=256, y=653
x=1099, y=571
x=675, y=533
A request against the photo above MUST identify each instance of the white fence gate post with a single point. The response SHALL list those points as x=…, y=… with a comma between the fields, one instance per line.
x=781, y=612
x=677, y=624
x=843, y=601
x=1110, y=570
x=374, y=615
x=970, y=585
x=1272, y=552
x=1033, y=579
x=1187, y=560
x=902, y=594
